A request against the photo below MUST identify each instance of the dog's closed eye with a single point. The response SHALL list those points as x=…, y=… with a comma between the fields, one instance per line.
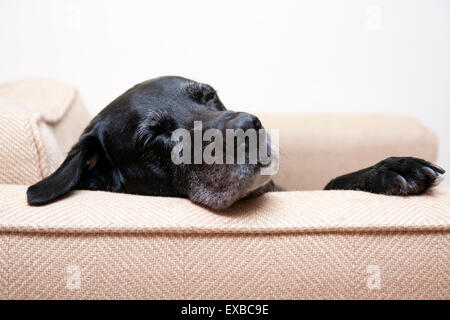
x=155, y=124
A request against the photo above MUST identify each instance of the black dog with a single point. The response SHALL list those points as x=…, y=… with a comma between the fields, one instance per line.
x=127, y=148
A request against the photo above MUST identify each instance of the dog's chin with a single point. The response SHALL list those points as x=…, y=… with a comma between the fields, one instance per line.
x=227, y=188
x=221, y=201
x=220, y=186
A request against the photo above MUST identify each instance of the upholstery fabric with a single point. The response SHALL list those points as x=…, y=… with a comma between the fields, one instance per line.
x=40, y=120
x=292, y=245
x=97, y=211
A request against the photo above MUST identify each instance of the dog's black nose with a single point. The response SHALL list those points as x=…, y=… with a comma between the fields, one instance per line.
x=244, y=121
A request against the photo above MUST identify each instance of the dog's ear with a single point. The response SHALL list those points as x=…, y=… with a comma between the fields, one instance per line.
x=87, y=166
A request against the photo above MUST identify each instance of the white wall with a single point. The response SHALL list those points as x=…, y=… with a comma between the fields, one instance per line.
x=388, y=56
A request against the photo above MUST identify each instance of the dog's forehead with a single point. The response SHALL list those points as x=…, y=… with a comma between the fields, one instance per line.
x=175, y=86
x=174, y=81
x=194, y=87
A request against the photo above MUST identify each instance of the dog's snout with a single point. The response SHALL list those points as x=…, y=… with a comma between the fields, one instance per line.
x=244, y=121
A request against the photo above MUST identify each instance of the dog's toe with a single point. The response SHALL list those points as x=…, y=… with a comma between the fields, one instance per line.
x=430, y=172
x=402, y=183
x=407, y=176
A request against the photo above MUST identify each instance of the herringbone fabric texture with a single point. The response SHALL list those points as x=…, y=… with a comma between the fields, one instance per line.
x=373, y=265
x=36, y=132
x=293, y=245
x=307, y=211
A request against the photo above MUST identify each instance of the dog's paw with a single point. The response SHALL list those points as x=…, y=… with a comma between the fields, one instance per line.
x=404, y=176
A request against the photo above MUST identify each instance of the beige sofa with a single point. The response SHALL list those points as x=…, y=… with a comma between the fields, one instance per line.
x=291, y=245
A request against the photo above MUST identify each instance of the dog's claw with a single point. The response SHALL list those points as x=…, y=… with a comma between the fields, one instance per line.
x=437, y=168
x=429, y=172
x=402, y=182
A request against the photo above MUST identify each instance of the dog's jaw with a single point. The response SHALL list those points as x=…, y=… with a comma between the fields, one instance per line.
x=220, y=186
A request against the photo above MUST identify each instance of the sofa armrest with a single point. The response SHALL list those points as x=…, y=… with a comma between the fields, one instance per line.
x=317, y=148
x=59, y=107
x=40, y=120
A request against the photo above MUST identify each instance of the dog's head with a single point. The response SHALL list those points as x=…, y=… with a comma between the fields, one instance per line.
x=131, y=146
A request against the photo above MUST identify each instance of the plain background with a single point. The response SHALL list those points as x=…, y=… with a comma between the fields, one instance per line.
x=316, y=56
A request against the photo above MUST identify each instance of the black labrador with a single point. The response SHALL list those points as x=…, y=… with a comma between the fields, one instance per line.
x=128, y=147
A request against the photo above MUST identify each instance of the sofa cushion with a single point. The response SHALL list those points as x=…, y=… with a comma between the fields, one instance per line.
x=293, y=211
x=40, y=121
x=288, y=245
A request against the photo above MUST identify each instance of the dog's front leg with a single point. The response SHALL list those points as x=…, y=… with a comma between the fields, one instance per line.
x=393, y=176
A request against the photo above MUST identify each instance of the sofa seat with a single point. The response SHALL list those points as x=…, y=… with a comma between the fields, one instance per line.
x=288, y=245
